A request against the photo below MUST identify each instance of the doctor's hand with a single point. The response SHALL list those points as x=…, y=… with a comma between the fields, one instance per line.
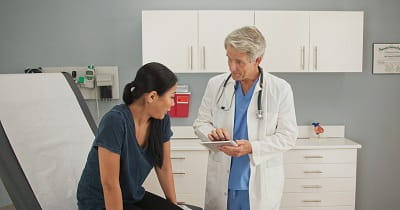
x=243, y=148
x=219, y=134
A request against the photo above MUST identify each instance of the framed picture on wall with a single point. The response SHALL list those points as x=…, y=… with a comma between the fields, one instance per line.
x=386, y=58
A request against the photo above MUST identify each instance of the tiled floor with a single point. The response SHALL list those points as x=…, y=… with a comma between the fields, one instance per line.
x=11, y=207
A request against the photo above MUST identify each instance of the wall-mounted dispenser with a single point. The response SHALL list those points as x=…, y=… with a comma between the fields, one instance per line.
x=182, y=102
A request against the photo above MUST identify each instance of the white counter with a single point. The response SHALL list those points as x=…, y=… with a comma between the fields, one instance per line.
x=185, y=139
x=326, y=143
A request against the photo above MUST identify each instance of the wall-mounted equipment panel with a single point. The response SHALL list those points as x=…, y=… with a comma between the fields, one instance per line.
x=95, y=82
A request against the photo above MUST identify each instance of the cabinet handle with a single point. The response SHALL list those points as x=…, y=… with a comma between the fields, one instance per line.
x=191, y=57
x=204, y=57
x=313, y=172
x=315, y=58
x=311, y=186
x=180, y=173
x=182, y=157
x=312, y=201
x=302, y=52
x=313, y=156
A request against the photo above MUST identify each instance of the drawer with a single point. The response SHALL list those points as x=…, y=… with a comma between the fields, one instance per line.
x=317, y=199
x=189, y=169
x=320, y=185
x=184, y=183
x=321, y=156
x=190, y=183
x=320, y=208
x=320, y=170
x=151, y=184
x=192, y=199
x=189, y=160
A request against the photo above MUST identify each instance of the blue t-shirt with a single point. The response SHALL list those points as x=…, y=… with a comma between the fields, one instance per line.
x=116, y=133
x=240, y=166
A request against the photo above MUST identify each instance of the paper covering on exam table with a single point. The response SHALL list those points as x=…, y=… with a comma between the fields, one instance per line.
x=48, y=133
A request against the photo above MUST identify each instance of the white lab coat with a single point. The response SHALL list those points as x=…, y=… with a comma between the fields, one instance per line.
x=269, y=138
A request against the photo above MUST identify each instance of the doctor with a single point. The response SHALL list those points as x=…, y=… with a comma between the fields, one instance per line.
x=256, y=109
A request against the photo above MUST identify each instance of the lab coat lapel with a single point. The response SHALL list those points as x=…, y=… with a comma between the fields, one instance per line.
x=252, y=121
x=224, y=118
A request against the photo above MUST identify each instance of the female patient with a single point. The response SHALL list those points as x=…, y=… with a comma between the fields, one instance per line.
x=131, y=139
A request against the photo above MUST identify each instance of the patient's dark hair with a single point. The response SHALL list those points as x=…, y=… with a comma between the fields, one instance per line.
x=151, y=77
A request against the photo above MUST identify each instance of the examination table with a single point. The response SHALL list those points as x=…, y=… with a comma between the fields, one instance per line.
x=46, y=131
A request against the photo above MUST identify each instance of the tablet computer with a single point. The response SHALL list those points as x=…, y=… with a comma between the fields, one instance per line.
x=213, y=145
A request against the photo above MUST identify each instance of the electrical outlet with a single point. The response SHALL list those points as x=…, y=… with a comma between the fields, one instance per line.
x=102, y=83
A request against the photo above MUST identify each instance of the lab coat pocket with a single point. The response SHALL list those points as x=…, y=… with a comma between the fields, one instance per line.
x=217, y=156
x=274, y=182
x=275, y=162
x=271, y=123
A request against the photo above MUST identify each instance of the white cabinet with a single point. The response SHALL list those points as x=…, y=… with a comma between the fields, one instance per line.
x=297, y=41
x=286, y=34
x=189, y=166
x=310, y=41
x=190, y=41
x=320, y=175
x=170, y=37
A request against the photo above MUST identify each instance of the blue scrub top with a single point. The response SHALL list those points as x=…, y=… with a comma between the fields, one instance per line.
x=240, y=166
x=116, y=133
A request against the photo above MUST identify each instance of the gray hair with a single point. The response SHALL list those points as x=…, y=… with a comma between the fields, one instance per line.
x=247, y=39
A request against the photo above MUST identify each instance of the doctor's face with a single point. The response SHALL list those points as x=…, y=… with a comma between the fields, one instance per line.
x=240, y=65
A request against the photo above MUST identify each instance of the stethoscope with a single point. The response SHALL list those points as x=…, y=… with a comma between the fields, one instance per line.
x=259, y=113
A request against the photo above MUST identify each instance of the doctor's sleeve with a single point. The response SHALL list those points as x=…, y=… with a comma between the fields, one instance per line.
x=204, y=122
x=284, y=137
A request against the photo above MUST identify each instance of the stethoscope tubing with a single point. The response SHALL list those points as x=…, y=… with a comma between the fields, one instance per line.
x=259, y=113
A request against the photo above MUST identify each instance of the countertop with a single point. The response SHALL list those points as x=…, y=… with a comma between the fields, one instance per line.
x=185, y=139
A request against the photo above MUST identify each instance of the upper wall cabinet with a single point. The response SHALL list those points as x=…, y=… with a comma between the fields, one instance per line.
x=308, y=41
x=169, y=37
x=190, y=41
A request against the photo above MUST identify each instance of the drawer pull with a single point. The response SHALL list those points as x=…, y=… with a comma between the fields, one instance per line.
x=182, y=173
x=312, y=186
x=312, y=201
x=313, y=172
x=180, y=158
x=313, y=156
x=180, y=202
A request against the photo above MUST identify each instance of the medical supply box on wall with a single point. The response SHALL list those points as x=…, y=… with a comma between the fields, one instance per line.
x=181, y=107
x=182, y=99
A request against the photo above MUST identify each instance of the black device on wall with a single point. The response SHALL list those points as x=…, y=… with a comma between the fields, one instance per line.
x=33, y=70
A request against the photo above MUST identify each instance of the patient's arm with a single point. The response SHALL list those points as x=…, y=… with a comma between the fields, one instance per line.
x=109, y=174
x=164, y=174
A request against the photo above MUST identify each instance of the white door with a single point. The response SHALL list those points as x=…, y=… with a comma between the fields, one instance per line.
x=170, y=37
x=286, y=34
x=336, y=41
x=214, y=26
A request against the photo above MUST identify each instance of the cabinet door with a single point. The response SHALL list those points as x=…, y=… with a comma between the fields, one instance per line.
x=336, y=41
x=286, y=34
x=214, y=26
x=170, y=37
